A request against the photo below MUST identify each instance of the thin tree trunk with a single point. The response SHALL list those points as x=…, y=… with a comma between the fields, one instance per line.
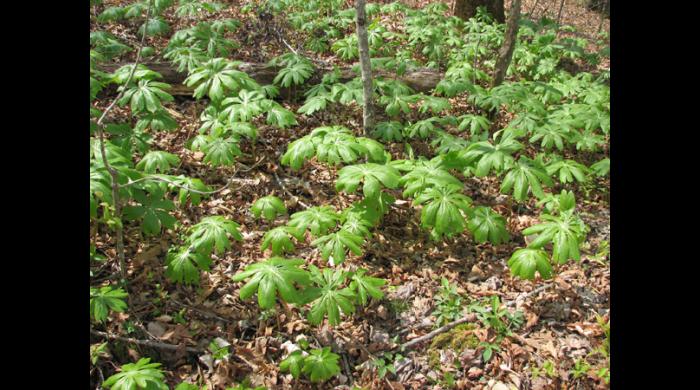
x=114, y=174
x=561, y=8
x=365, y=65
x=602, y=15
x=505, y=54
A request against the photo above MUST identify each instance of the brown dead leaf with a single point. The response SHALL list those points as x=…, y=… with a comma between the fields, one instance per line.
x=176, y=334
x=532, y=318
x=133, y=354
x=562, y=284
x=587, y=329
x=147, y=256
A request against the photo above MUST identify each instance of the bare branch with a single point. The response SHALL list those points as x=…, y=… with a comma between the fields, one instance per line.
x=145, y=343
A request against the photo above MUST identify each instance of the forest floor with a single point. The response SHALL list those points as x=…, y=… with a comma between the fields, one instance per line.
x=561, y=320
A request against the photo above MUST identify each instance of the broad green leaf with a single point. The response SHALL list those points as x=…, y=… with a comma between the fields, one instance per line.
x=273, y=276
x=293, y=364
x=373, y=176
x=321, y=365
x=526, y=176
x=525, y=261
x=212, y=232
x=336, y=244
x=366, y=286
x=157, y=160
x=136, y=376
x=279, y=239
x=442, y=209
x=487, y=225
x=104, y=299
x=330, y=299
x=318, y=220
x=565, y=232
x=269, y=207
x=183, y=266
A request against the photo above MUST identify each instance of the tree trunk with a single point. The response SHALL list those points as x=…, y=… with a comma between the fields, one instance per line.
x=561, y=8
x=365, y=66
x=466, y=9
x=505, y=54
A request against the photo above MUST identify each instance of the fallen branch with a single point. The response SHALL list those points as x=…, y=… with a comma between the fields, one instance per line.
x=203, y=312
x=471, y=317
x=174, y=184
x=232, y=179
x=528, y=295
x=145, y=343
x=420, y=79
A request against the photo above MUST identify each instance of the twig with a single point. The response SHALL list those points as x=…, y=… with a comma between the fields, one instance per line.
x=277, y=178
x=468, y=318
x=561, y=8
x=476, y=55
x=202, y=312
x=250, y=168
x=528, y=295
x=471, y=317
x=285, y=42
x=174, y=184
x=346, y=366
x=232, y=179
x=145, y=343
x=362, y=346
x=602, y=15
x=113, y=172
x=102, y=378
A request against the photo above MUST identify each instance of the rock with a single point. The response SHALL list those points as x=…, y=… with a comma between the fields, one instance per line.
x=156, y=328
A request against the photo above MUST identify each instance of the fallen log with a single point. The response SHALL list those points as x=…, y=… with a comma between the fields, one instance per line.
x=420, y=79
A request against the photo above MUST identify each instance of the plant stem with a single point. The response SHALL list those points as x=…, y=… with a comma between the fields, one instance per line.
x=114, y=174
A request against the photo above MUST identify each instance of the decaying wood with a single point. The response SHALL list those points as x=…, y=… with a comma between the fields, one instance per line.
x=420, y=79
